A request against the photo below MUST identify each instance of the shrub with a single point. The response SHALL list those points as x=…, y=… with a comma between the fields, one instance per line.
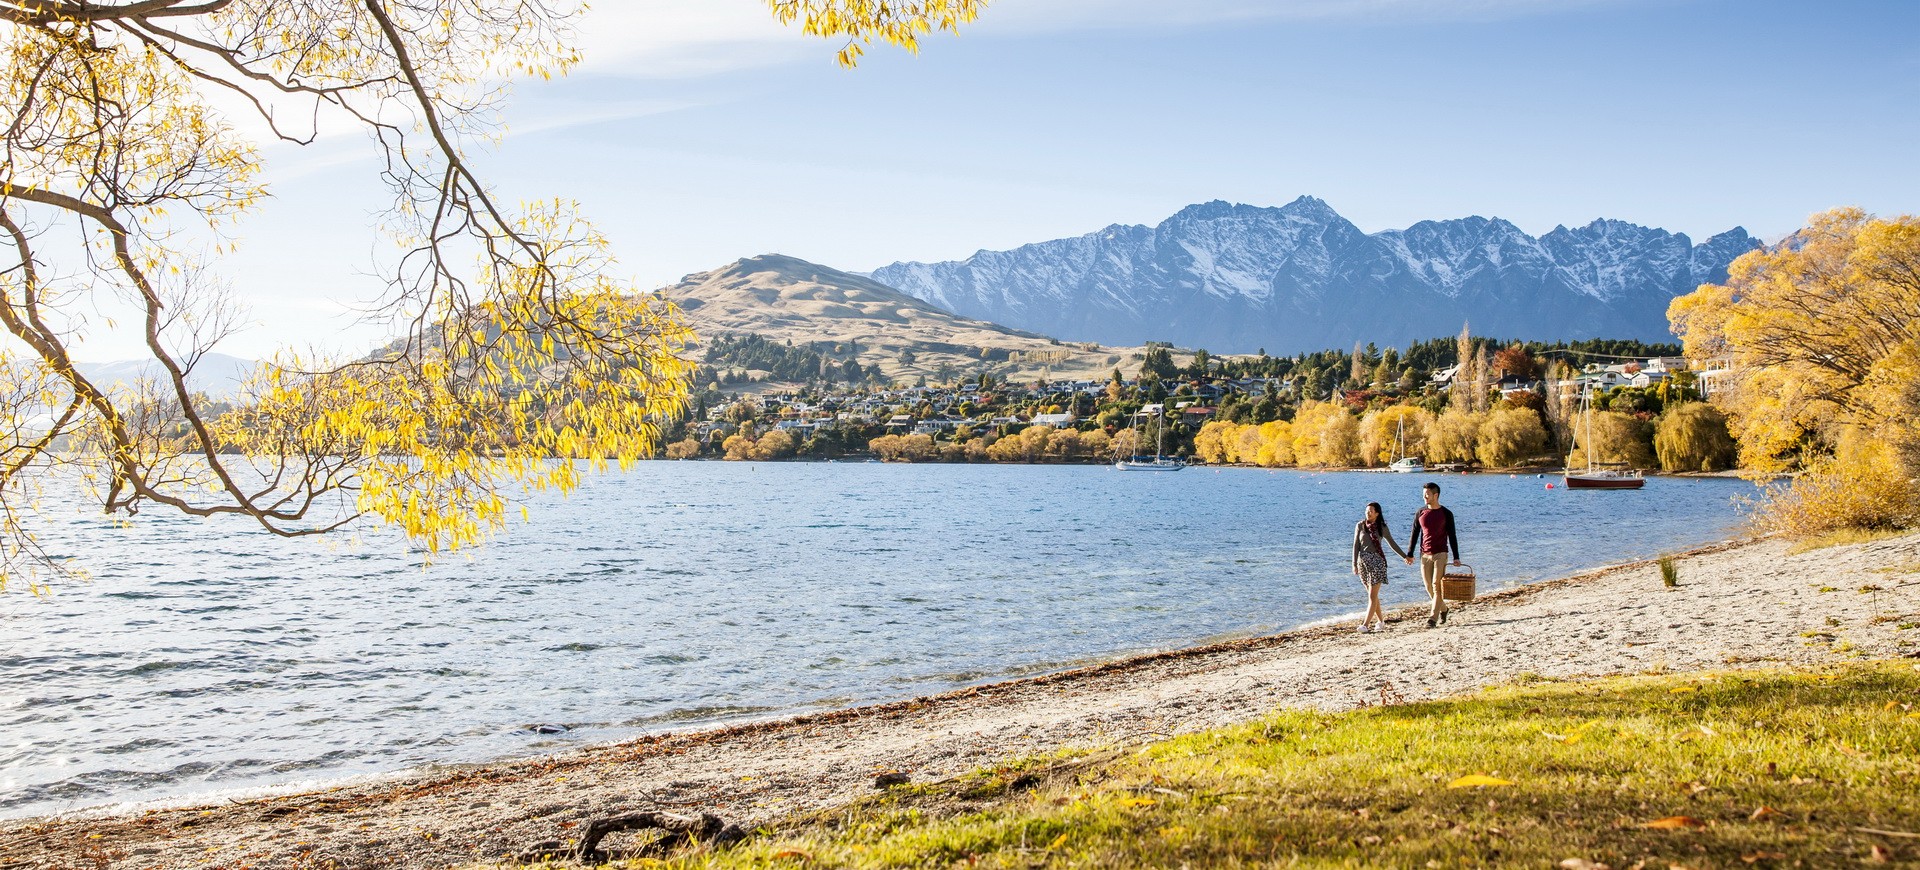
x=1862, y=488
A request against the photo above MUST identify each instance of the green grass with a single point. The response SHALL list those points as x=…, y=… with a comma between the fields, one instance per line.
x=1590, y=764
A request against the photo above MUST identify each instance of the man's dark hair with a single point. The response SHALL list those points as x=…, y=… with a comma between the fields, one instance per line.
x=1432, y=487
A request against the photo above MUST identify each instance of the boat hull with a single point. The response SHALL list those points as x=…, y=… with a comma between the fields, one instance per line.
x=1149, y=465
x=1575, y=481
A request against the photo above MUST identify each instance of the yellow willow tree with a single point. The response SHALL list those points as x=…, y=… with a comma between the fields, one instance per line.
x=1822, y=336
x=514, y=350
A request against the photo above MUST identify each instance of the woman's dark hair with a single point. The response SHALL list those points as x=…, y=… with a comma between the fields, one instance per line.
x=1379, y=517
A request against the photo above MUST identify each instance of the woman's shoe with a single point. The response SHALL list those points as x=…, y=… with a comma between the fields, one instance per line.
x=1443, y=616
x=1362, y=628
x=1430, y=622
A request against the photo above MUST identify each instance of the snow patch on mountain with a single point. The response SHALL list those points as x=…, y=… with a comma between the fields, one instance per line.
x=1232, y=277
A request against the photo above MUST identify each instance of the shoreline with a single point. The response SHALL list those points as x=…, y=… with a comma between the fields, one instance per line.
x=1610, y=619
x=800, y=713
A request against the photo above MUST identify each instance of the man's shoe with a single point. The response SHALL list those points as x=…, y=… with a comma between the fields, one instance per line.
x=1443, y=616
x=1430, y=622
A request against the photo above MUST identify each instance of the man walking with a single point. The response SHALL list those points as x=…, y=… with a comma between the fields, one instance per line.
x=1433, y=538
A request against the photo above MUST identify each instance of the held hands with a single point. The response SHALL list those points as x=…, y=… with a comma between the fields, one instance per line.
x=1409, y=560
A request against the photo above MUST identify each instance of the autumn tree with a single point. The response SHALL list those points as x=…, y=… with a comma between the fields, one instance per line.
x=1822, y=336
x=1617, y=439
x=1275, y=445
x=515, y=348
x=1693, y=436
x=1454, y=436
x=1394, y=432
x=1514, y=361
x=1509, y=437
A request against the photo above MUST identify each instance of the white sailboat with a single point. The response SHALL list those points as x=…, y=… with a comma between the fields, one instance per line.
x=1159, y=461
x=1606, y=476
x=1403, y=463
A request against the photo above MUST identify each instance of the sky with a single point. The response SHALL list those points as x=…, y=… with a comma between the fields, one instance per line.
x=698, y=132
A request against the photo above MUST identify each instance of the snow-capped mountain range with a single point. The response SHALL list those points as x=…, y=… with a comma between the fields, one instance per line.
x=1233, y=278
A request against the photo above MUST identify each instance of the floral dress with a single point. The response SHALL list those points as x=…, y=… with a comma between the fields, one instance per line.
x=1368, y=556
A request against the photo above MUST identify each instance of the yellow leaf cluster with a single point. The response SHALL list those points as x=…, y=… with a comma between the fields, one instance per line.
x=897, y=22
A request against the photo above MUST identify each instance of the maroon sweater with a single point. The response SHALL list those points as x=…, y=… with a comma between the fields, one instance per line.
x=1433, y=532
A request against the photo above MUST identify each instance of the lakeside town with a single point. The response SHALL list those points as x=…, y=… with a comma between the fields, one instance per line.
x=1333, y=409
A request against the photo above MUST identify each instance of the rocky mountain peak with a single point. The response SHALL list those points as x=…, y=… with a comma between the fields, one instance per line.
x=1232, y=277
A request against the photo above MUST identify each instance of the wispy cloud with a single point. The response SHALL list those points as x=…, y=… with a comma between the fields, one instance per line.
x=688, y=38
x=1133, y=14
x=691, y=38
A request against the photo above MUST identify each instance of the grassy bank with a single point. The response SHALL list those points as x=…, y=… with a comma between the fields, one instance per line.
x=1736, y=769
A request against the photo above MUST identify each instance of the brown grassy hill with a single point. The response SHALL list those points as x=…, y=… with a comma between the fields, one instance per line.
x=787, y=299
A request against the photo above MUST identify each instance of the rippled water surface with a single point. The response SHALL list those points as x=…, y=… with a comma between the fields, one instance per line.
x=209, y=656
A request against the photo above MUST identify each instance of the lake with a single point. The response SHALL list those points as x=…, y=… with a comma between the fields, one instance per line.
x=207, y=656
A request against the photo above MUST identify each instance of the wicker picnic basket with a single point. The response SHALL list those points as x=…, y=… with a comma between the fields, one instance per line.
x=1457, y=584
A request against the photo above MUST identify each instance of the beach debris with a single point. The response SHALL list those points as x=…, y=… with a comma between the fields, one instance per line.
x=890, y=779
x=544, y=728
x=1583, y=864
x=678, y=829
x=1476, y=780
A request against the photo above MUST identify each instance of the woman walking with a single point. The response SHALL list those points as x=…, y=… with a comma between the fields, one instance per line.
x=1370, y=563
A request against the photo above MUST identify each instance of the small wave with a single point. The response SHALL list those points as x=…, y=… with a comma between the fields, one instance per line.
x=713, y=713
x=573, y=647
x=156, y=667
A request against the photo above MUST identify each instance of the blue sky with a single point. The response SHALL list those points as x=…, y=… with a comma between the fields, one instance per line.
x=699, y=132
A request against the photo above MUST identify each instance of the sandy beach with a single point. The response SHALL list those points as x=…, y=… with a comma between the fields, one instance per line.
x=1738, y=605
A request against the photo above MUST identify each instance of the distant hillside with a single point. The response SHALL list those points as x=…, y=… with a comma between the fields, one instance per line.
x=216, y=374
x=1232, y=278
x=854, y=318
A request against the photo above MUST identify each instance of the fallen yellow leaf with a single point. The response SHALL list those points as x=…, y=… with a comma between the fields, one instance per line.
x=795, y=854
x=1477, y=779
x=1674, y=823
x=1058, y=842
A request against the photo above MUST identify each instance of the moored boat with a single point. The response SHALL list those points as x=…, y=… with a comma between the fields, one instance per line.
x=1602, y=475
x=1605, y=478
x=1159, y=461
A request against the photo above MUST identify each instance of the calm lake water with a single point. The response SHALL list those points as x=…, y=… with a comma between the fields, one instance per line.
x=207, y=656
